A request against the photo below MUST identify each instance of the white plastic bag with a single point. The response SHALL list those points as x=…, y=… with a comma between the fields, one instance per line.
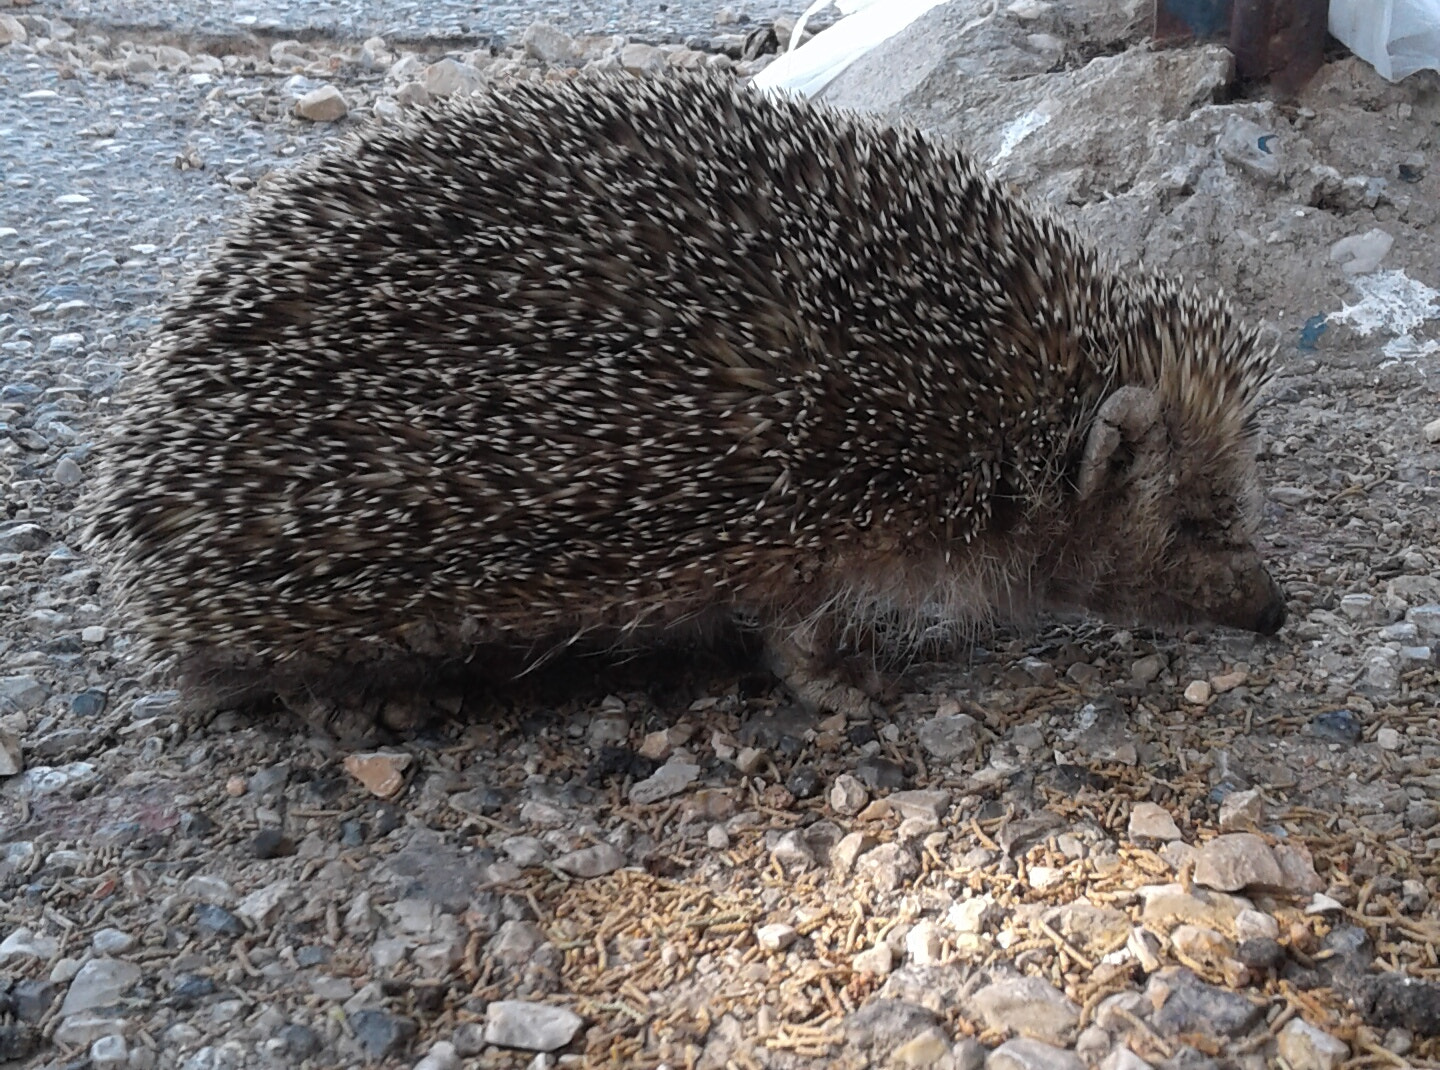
x=1396, y=37
x=815, y=64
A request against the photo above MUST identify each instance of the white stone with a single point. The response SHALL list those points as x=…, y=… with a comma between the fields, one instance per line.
x=24, y=944
x=323, y=105
x=922, y=943
x=108, y=1053
x=877, y=961
x=776, y=937
x=511, y=1023
x=1304, y=1047
x=1151, y=821
x=262, y=906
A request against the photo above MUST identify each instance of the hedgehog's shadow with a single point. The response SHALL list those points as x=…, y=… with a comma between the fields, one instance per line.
x=359, y=705
x=362, y=704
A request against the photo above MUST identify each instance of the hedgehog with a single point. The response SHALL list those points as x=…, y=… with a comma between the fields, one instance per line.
x=616, y=361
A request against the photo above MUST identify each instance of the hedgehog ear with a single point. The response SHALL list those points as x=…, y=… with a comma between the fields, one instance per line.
x=1125, y=416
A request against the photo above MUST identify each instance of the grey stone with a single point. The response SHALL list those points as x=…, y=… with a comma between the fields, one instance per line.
x=887, y=867
x=525, y=850
x=949, y=736
x=931, y=804
x=24, y=944
x=1122, y=1058
x=323, y=105
x=793, y=852
x=549, y=44
x=515, y=942
x=1237, y=860
x=882, y=1025
x=1023, y=1053
x=23, y=537
x=1360, y=254
x=82, y=1030
x=21, y=692
x=101, y=982
x=109, y=1053
x=847, y=795
x=1031, y=1007
x=1189, y=1005
x=469, y=1039
x=511, y=1023
x=1426, y=619
x=670, y=779
x=594, y=861
x=110, y=941
x=1305, y=1047
x=12, y=760
x=380, y=1034
x=1151, y=821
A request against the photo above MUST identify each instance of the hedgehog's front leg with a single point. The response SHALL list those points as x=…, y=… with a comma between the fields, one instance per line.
x=803, y=657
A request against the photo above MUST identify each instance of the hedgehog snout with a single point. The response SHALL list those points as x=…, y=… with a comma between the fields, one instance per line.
x=1251, y=600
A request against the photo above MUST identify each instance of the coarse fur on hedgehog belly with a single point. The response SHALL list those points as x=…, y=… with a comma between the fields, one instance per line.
x=604, y=362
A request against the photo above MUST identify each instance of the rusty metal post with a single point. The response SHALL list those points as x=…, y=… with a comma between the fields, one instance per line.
x=1280, y=41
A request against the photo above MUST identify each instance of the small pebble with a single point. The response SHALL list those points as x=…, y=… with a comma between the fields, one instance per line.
x=1304, y=1047
x=775, y=937
x=323, y=105
x=1340, y=726
x=271, y=843
x=880, y=774
x=218, y=920
x=381, y=1034
x=110, y=941
x=382, y=773
x=1151, y=821
x=1198, y=692
x=877, y=961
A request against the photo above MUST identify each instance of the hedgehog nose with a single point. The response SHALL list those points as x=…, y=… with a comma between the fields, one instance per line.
x=1272, y=618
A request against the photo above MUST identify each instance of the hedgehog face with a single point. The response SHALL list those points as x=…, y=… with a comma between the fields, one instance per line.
x=1171, y=509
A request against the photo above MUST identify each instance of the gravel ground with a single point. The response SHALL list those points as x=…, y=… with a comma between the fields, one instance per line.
x=1083, y=847
x=435, y=20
